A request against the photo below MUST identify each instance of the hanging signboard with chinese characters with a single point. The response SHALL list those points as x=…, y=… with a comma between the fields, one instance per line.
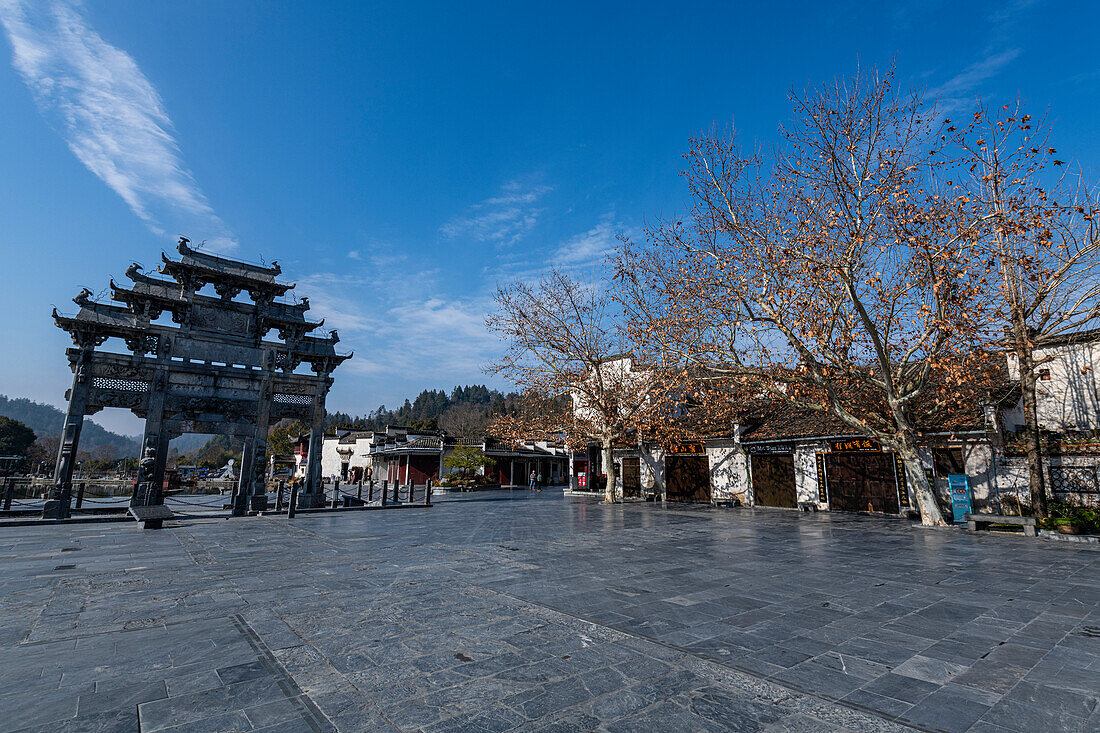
x=903, y=487
x=854, y=445
x=757, y=448
x=687, y=449
x=822, y=487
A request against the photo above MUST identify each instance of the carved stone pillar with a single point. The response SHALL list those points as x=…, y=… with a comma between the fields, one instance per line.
x=148, y=488
x=244, y=481
x=58, y=503
x=155, y=495
x=315, y=488
x=258, y=485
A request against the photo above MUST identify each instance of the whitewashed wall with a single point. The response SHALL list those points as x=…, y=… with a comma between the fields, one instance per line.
x=805, y=474
x=729, y=475
x=330, y=459
x=653, y=471
x=1069, y=400
x=1013, y=477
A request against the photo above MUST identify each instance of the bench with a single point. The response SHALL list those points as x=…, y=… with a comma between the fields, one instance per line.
x=151, y=517
x=975, y=522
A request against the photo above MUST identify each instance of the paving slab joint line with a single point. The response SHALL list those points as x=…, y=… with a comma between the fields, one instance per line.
x=705, y=661
x=311, y=714
x=92, y=634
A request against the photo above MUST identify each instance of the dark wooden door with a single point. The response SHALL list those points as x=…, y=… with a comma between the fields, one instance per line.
x=688, y=478
x=773, y=481
x=632, y=477
x=862, y=482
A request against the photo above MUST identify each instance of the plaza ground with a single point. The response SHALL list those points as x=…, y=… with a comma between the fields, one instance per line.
x=512, y=610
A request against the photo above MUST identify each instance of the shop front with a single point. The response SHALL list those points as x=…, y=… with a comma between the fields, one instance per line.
x=687, y=473
x=773, y=476
x=861, y=477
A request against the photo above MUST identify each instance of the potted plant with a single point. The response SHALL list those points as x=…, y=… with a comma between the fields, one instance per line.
x=1073, y=519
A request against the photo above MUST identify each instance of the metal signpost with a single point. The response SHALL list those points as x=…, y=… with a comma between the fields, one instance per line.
x=959, y=486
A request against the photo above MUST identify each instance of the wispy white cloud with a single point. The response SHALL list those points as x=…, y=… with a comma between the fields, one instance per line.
x=958, y=91
x=110, y=115
x=1009, y=11
x=589, y=247
x=502, y=219
x=402, y=333
x=582, y=255
x=354, y=255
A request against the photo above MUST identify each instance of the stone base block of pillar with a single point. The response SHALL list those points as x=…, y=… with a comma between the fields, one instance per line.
x=311, y=501
x=259, y=503
x=55, y=509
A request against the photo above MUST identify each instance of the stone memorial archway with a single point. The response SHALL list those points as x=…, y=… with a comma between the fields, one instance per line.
x=210, y=371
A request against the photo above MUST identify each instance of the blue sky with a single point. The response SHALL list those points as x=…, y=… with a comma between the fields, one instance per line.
x=401, y=160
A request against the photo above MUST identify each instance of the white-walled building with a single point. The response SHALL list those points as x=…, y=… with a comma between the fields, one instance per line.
x=789, y=458
x=402, y=454
x=1068, y=390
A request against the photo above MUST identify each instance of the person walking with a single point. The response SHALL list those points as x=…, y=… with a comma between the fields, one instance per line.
x=538, y=482
x=533, y=477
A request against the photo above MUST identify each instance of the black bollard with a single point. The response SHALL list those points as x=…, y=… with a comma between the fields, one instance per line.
x=279, y=497
x=385, y=490
x=9, y=493
x=396, y=486
x=428, y=493
x=79, y=494
x=370, y=490
x=412, y=488
x=293, y=501
x=335, y=492
x=359, y=493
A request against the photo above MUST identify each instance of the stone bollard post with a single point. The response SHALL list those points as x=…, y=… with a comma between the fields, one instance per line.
x=396, y=486
x=9, y=493
x=428, y=493
x=279, y=496
x=335, y=493
x=293, y=501
x=412, y=488
x=385, y=490
x=359, y=493
x=370, y=490
x=79, y=494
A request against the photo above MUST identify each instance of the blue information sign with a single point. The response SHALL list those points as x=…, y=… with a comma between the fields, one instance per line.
x=959, y=486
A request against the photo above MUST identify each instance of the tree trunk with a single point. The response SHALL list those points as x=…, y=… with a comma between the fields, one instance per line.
x=918, y=484
x=610, y=495
x=1031, y=429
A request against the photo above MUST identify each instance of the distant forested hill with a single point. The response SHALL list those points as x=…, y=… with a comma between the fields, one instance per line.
x=46, y=421
x=465, y=409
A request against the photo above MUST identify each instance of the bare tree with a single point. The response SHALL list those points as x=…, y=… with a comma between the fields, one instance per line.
x=563, y=339
x=836, y=274
x=1042, y=239
x=466, y=421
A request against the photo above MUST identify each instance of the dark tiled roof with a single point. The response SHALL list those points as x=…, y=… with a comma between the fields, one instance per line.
x=777, y=421
x=1078, y=337
x=422, y=444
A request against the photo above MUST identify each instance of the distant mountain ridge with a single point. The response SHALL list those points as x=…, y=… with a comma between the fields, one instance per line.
x=46, y=420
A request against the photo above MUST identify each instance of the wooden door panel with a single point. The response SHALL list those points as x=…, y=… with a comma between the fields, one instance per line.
x=688, y=478
x=773, y=481
x=632, y=477
x=862, y=482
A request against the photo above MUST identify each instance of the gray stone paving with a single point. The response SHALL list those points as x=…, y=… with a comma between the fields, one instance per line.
x=512, y=611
